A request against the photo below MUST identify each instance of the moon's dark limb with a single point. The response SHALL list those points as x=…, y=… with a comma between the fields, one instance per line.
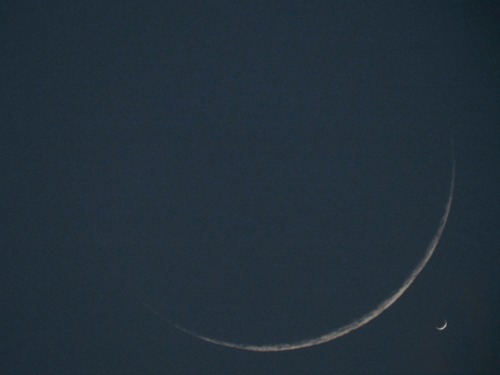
x=358, y=323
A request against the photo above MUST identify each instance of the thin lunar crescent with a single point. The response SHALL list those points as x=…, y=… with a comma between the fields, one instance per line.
x=445, y=324
x=358, y=323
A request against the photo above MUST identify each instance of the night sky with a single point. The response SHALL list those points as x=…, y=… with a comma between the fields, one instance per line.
x=256, y=171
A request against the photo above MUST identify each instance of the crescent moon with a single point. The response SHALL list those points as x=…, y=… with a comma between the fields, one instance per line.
x=445, y=324
x=361, y=321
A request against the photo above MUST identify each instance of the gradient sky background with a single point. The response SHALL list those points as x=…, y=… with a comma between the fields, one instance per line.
x=259, y=172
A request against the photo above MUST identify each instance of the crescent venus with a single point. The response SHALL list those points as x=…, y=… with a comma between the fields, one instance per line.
x=361, y=321
x=445, y=324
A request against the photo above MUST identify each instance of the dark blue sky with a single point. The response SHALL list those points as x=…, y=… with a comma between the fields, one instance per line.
x=259, y=172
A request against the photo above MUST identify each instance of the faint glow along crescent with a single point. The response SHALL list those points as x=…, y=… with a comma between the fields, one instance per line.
x=445, y=324
x=344, y=330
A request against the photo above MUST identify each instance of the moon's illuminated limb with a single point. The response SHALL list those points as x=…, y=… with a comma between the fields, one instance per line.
x=445, y=324
x=344, y=330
